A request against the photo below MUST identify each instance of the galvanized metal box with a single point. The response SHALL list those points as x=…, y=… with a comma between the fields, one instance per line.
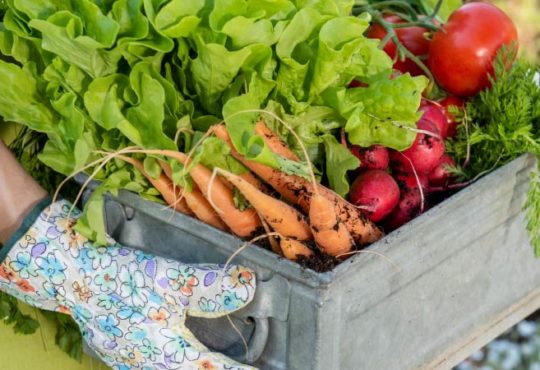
x=466, y=272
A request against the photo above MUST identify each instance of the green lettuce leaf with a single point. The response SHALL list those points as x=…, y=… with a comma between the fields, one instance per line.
x=135, y=105
x=21, y=99
x=179, y=18
x=339, y=160
x=64, y=35
x=383, y=113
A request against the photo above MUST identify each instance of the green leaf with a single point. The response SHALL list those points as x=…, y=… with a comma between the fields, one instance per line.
x=152, y=167
x=22, y=101
x=384, y=113
x=132, y=24
x=447, y=8
x=179, y=18
x=11, y=314
x=338, y=45
x=339, y=160
x=92, y=222
x=246, y=31
x=328, y=7
x=295, y=52
x=81, y=40
x=133, y=105
x=213, y=71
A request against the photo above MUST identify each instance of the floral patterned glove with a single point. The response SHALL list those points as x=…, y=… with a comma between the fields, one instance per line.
x=130, y=306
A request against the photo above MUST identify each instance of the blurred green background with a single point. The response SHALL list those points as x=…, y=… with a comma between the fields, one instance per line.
x=526, y=15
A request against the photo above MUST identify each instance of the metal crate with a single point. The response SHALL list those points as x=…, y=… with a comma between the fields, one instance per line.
x=466, y=273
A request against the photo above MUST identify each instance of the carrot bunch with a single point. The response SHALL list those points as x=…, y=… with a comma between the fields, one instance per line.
x=309, y=216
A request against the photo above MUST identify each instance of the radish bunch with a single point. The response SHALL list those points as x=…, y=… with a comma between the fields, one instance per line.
x=391, y=187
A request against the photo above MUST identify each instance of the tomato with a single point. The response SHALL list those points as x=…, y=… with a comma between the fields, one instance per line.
x=461, y=54
x=413, y=38
x=446, y=103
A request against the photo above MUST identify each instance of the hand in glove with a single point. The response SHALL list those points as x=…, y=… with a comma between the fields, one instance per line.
x=130, y=306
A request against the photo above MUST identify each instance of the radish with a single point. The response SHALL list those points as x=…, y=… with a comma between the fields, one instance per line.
x=408, y=208
x=375, y=157
x=440, y=176
x=451, y=101
x=436, y=115
x=377, y=191
x=408, y=181
x=425, y=153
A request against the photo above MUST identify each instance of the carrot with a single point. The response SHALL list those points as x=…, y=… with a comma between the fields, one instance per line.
x=253, y=180
x=242, y=223
x=271, y=238
x=330, y=233
x=274, y=142
x=293, y=248
x=163, y=184
x=197, y=203
x=203, y=210
x=280, y=216
x=298, y=190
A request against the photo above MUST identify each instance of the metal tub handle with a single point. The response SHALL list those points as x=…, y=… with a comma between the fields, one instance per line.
x=258, y=340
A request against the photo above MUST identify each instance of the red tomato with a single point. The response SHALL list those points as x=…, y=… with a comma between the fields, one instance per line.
x=461, y=54
x=450, y=119
x=411, y=37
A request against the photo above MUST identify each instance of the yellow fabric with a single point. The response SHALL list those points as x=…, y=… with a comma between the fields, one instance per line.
x=38, y=351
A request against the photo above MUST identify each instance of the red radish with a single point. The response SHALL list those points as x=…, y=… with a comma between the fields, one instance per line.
x=424, y=154
x=409, y=181
x=409, y=207
x=440, y=176
x=451, y=101
x=376, y=190
x=373, y=158
x=436, y=115
x=410, y=203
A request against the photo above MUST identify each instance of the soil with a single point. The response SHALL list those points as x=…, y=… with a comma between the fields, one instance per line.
x=318, y=262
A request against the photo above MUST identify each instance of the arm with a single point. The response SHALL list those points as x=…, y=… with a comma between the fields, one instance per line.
x=19, y=193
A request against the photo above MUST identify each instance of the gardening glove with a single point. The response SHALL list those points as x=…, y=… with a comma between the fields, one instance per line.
x=130, y=306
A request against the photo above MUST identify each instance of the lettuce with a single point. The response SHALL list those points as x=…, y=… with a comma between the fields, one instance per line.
x=115, y=73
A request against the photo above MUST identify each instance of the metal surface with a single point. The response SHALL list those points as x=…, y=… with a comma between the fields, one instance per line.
x=455, y=275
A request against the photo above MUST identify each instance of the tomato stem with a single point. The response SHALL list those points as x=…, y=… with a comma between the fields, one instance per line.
x=403, y=52
x=436, y=9
x=390, y=3
x=426, y=25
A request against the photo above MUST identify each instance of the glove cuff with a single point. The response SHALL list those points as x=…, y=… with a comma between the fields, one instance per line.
x=27, y=223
